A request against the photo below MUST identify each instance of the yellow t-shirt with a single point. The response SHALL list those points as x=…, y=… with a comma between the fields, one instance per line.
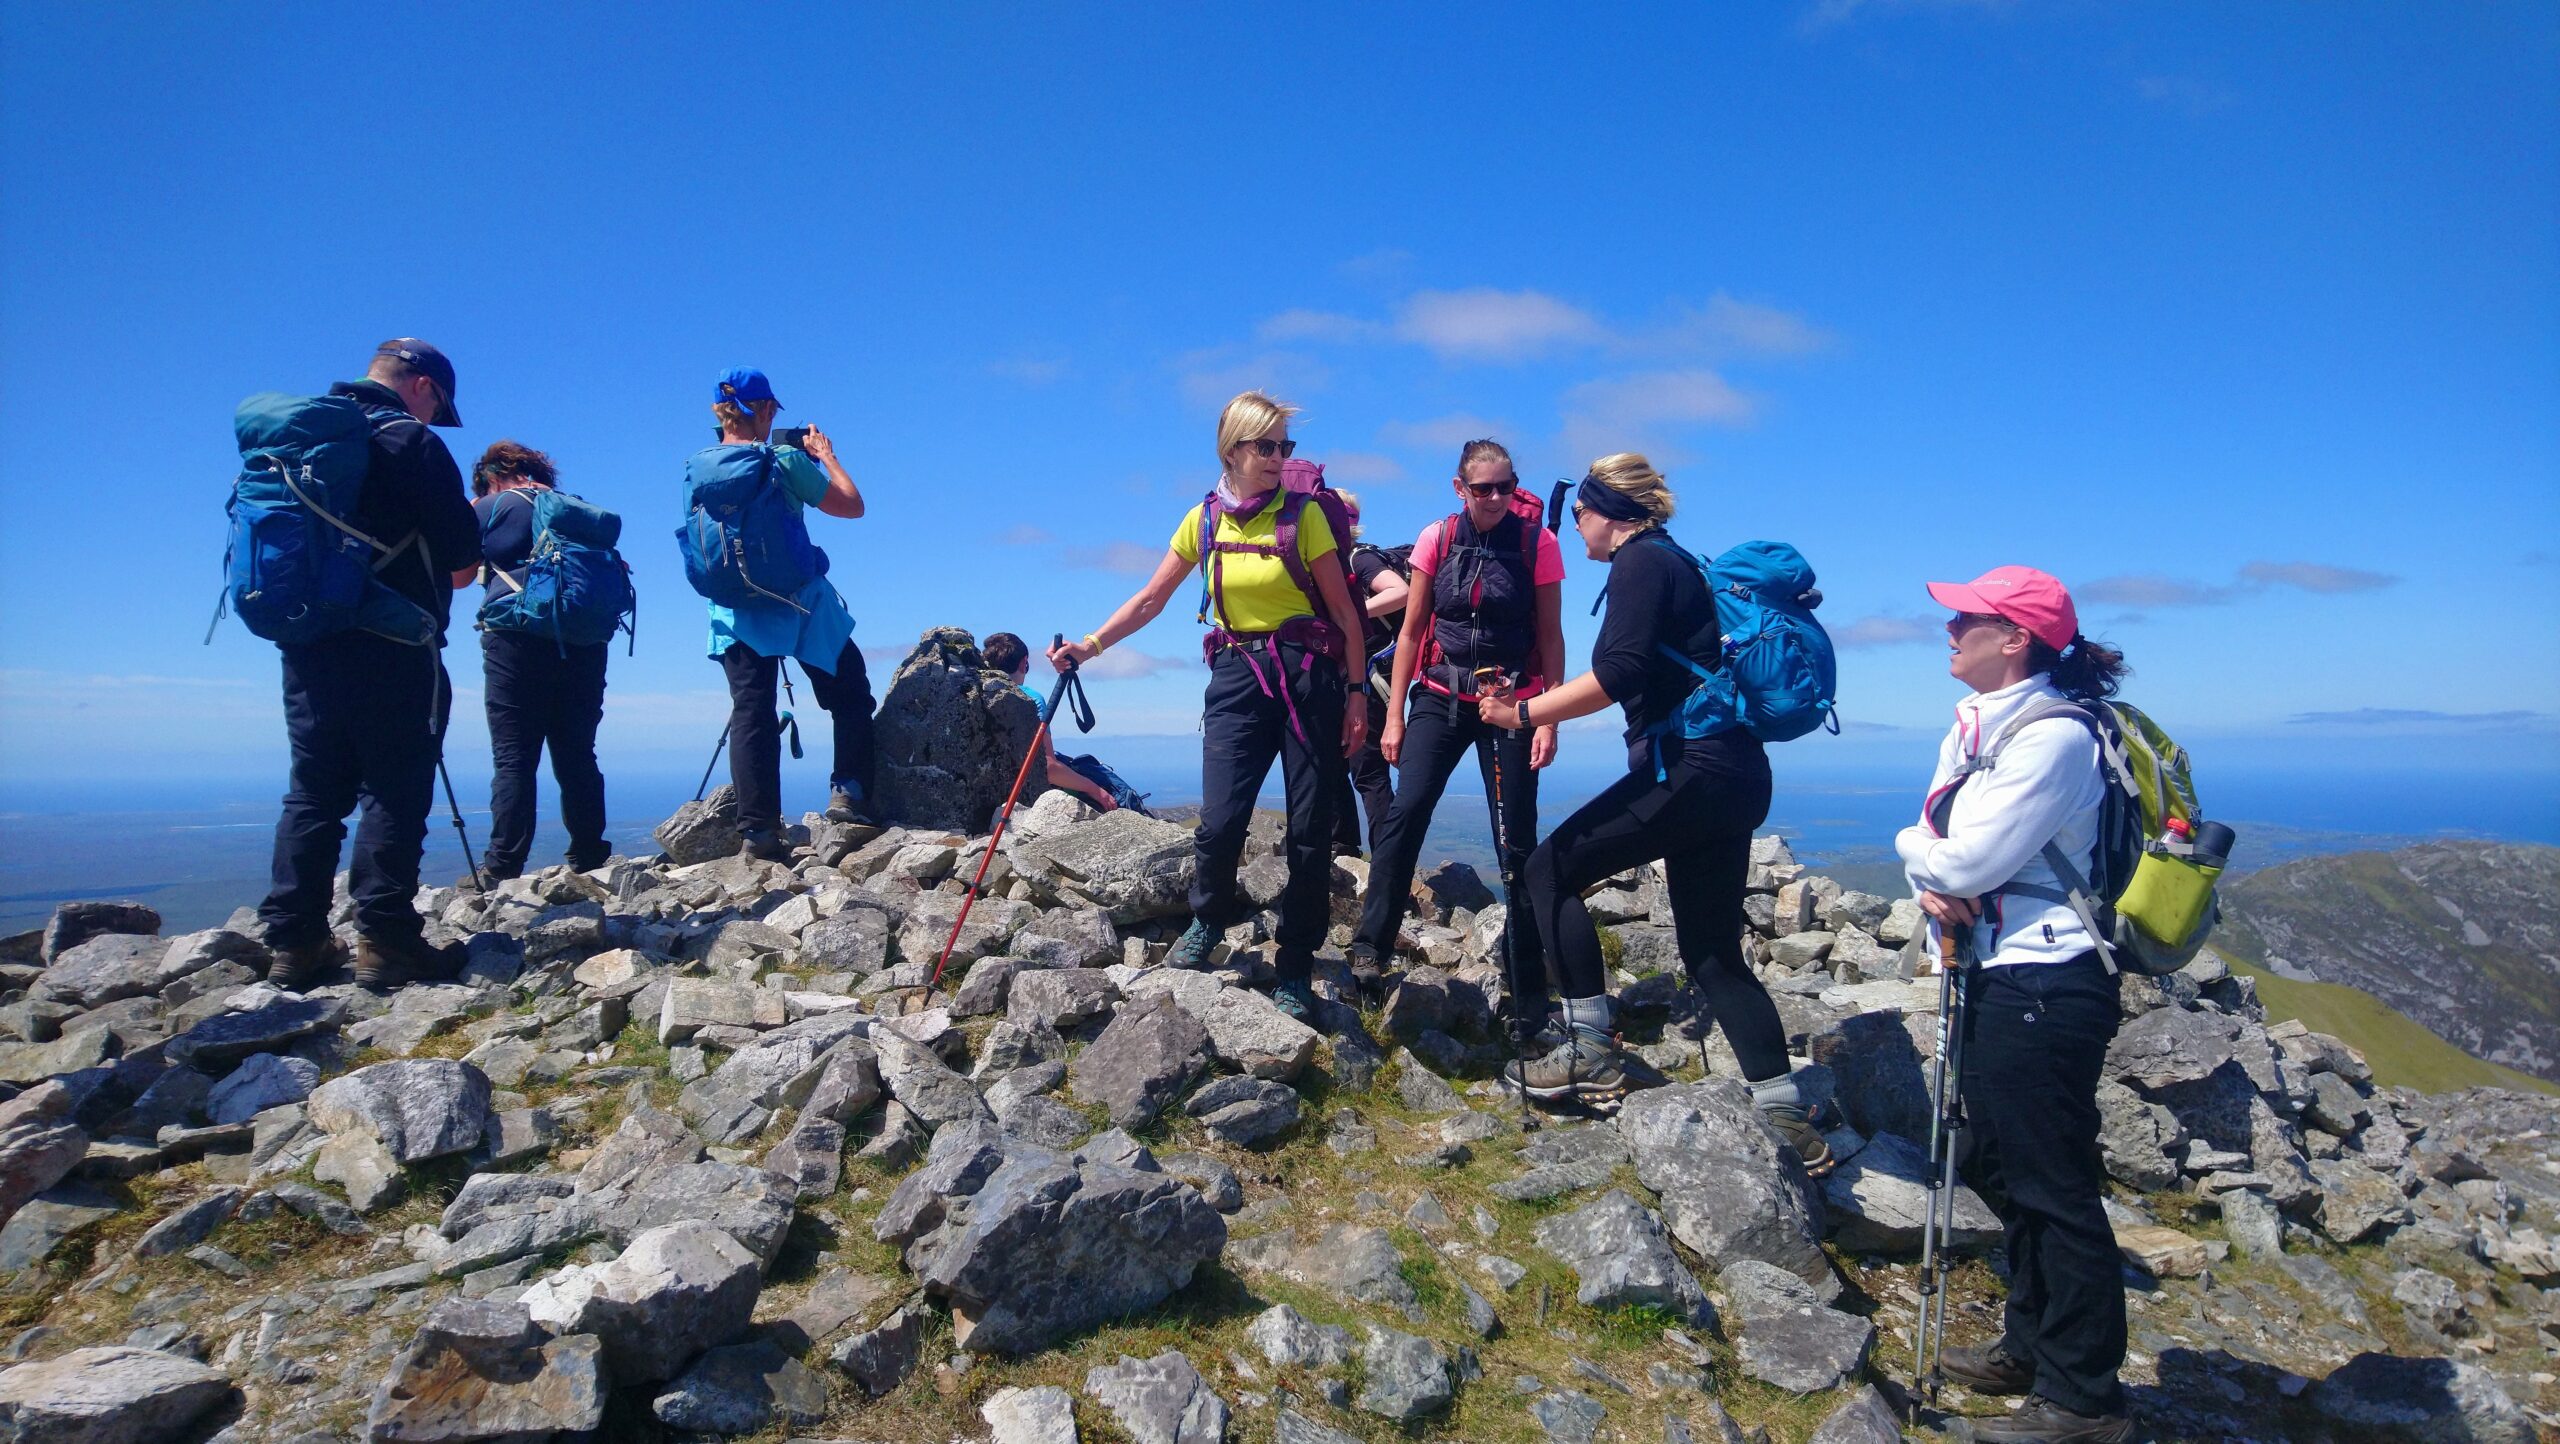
x=1257, y=591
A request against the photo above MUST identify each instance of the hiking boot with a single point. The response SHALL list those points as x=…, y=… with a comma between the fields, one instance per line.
x=386, y=963
x=1988, y=1369
x=494, y=871
x=1192, y=949
x=296, y=969
x=1366, y=972
x=589, y=861
x=765, y=846
x=1794, y=1124
x=1584, y=1065
x=1296, y=998
x=843, y=806
x=2043, y=1421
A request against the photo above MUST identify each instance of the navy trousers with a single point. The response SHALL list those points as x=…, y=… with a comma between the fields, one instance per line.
x=543, y=696
x=363, y=717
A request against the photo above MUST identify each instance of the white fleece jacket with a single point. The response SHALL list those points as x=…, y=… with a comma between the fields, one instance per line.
x=2045, y=787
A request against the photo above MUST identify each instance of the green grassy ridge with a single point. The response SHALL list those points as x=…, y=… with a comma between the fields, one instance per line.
x=2402, y=1050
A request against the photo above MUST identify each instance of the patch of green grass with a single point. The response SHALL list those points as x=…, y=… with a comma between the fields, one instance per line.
x=2401, y=1049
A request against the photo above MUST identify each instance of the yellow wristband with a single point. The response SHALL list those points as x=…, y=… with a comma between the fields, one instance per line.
x=1094, y=642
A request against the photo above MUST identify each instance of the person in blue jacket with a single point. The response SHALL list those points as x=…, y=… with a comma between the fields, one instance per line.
x=814, y=628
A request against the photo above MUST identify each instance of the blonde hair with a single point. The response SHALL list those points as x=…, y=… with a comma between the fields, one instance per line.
x=1633, y=477
x=1250, y=417
x=1351, y=500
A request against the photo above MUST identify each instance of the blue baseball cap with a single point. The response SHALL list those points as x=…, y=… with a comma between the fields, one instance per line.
x=741, y=385
x=432, y=364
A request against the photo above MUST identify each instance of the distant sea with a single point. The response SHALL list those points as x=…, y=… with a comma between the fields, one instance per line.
x=196, y=851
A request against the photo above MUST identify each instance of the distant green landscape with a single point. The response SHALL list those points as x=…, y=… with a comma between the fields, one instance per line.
x=2403, y=1053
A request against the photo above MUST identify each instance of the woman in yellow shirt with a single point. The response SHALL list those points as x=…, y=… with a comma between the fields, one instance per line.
x=1279, y=661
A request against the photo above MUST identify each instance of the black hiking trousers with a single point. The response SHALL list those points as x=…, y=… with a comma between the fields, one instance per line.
x=1697, y=822
x=1434, y=742
x=363, y=717
x=540, y=695
x=755, y=729
x=1259, y=706
x=1366, y=779
x=2035, y=1039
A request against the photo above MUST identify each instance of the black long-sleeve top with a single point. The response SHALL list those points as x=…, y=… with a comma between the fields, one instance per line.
x=411, y=487
x=1656, y=597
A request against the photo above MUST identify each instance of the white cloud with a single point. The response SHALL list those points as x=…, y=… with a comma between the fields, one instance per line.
x=1306, y=325
x=1441, y=433
x=1120, y=665
x=1361, y=468
x=2314, y=577
x=1211, y=376
x=1641, y=411
x=1484, y=324
x=1726, y=325
x=1127, y=558
x=1888, y=630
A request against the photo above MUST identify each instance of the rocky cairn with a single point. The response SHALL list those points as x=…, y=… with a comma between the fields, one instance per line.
x=692, y=1150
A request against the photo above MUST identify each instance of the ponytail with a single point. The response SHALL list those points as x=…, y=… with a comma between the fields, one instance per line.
x=2090, y=671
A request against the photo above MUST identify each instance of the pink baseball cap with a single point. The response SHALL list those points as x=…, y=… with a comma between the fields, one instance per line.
x=2032, y=599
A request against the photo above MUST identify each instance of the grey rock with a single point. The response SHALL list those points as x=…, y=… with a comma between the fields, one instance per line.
x=1879, y=1199
x=262, y=1081
x=227, y=1038
x=1806, y=1349
x=480, y=1370
x=1865, y=1419
x=191, y=1223
x=751, y=1205
x=1623, y=1257
x=1150, y=1052
x=1565, y=1159
x=847, y=1086
x=741, y=1388
x=1071, y=937
x=880, y=1358
x=1287, y=1339
x=1062, y=998
x=47, y=1220
x=487, y=1196
x=811, y=1156
x=1568, y=1417
x=2336, y=1108
x=990, y=927
x=853, y=941
x=1407, y=1377
x=675, y=1290
x=40, y=1143
x=693, y=1004
x=1296, y=1428
x=1879, y=1063
x=1727, y=1188
x=778, y=1070
x=1422, y=1090
x=645, y=1142
x=363, y=1167
x=112, y=1395
x=1045, y=1415
x=417, y=1108
x=1045, y=1122
x=1248, y=1031
x=2356, y=1202
x=1131, y=866
x=924, y=1083
x=1244, y=1110
x=194, y=952
x=1215, y=1180
x=986, y=989
x=104, y=969
x=2383, y=1397
x=1162, y=1400
x=2135, y=1136
x=74, y=923
x=951, y=735
x=2168, y=1046
x=703, y=831
x=2251, y=1223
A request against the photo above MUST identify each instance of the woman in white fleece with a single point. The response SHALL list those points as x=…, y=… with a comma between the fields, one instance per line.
x=2042, y=1007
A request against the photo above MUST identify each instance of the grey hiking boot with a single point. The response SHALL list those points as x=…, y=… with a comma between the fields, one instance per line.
x=1584, y=1066
x=843, y=806
x=386, y=963
x=1794, y=1124
x=297, y=969
x=765, y=845
x=2043, y=1421
x=1192, y=949
x=1366, y=971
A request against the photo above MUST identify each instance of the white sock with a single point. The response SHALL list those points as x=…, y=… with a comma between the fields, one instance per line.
x=1777, y=1092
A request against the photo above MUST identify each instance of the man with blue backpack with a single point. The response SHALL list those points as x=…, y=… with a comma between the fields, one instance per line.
x=1708, y=661
x=347, y=522
x=747, y=551
x=554, y=593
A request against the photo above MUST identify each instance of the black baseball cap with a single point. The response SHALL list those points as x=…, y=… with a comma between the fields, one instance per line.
x=430, y=361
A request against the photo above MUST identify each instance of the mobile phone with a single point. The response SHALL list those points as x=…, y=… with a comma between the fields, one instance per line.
x=793, y=436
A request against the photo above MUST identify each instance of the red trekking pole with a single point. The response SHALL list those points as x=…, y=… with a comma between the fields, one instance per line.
x=1068, y=686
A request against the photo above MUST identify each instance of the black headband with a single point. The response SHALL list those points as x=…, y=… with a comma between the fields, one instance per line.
x=1610, y=502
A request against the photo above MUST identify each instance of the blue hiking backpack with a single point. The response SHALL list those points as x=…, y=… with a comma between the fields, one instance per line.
x=296, y=568
x=743, y=537
x=574, y=588
x=1779, y=677
x=1099, y=772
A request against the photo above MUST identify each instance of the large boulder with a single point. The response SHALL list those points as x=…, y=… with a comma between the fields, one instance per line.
x=481, y=1370
x=2384, y=1397
x=2169, y=1046
x=950, y=736
x=1142, y=1062
x=1132, y=866
x=677, y=1290
x=1879, y=1201
x=104, y=969
x=74, y=923
x=113, y=1395
x=39, y=1143
x=1162, y=1400
x=777, y=1070
x=415, y=1108
x=1619, y=1251
x=752, y=1205
x=1728, y=1188
x=703, y=831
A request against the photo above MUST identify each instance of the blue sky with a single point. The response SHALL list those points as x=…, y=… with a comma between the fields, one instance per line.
x=2245, y=320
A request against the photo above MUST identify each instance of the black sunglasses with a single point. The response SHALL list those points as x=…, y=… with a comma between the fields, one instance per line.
x=1483, y=490
x=1266, y=448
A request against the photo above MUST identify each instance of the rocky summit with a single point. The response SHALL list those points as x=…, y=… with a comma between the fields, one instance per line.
x=698, y=1146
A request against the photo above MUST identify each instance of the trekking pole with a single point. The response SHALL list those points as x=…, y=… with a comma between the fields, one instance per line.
x=1513, y=1026
x=469, y=859
x=705, y=784
x=1946, y=1115
x=1068, y=685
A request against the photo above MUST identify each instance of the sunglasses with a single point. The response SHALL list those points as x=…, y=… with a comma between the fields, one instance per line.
x=1266, y=448
x=1486, y=490
x=1963, y=622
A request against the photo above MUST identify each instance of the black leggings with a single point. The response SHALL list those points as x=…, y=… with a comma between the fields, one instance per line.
x=1698, y=822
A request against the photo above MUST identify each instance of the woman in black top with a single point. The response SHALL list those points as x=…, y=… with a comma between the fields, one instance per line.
x=1691, y=802
x=540, y=693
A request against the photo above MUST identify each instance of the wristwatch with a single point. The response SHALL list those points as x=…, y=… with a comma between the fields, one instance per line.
x=1524, y=716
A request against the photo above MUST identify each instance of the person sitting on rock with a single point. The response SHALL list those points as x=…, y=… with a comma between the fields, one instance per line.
x=1690, y=802
x=1280, y=659
x=1494, y=583
x=2041, y=1007
x=750, y=640
x=1010, y=655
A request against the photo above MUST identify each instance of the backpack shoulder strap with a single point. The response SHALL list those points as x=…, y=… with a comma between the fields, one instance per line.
x=1211, y=572
x=1284, y=535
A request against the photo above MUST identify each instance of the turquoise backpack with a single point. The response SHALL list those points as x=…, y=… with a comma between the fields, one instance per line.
x=297, y=568
x=574, y=588
x=1780, y=676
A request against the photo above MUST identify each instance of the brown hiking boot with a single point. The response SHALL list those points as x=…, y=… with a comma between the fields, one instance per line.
x=2043, y=1421
x=1794, y=1124
x=386, y=963
x=1583, y=1067
x=1988, y=1369
x=296, y=969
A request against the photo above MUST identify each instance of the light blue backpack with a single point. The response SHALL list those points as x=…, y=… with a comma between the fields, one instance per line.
x=574, y=588
x=297, y=568
x=1780, y=676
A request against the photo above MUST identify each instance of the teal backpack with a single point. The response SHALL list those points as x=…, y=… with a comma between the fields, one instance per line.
x=574, y=588
x=297, y=568
x=1780, y=676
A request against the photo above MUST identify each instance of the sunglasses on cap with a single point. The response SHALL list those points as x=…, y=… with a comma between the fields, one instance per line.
x=1266, y=448
x=1486, y=490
